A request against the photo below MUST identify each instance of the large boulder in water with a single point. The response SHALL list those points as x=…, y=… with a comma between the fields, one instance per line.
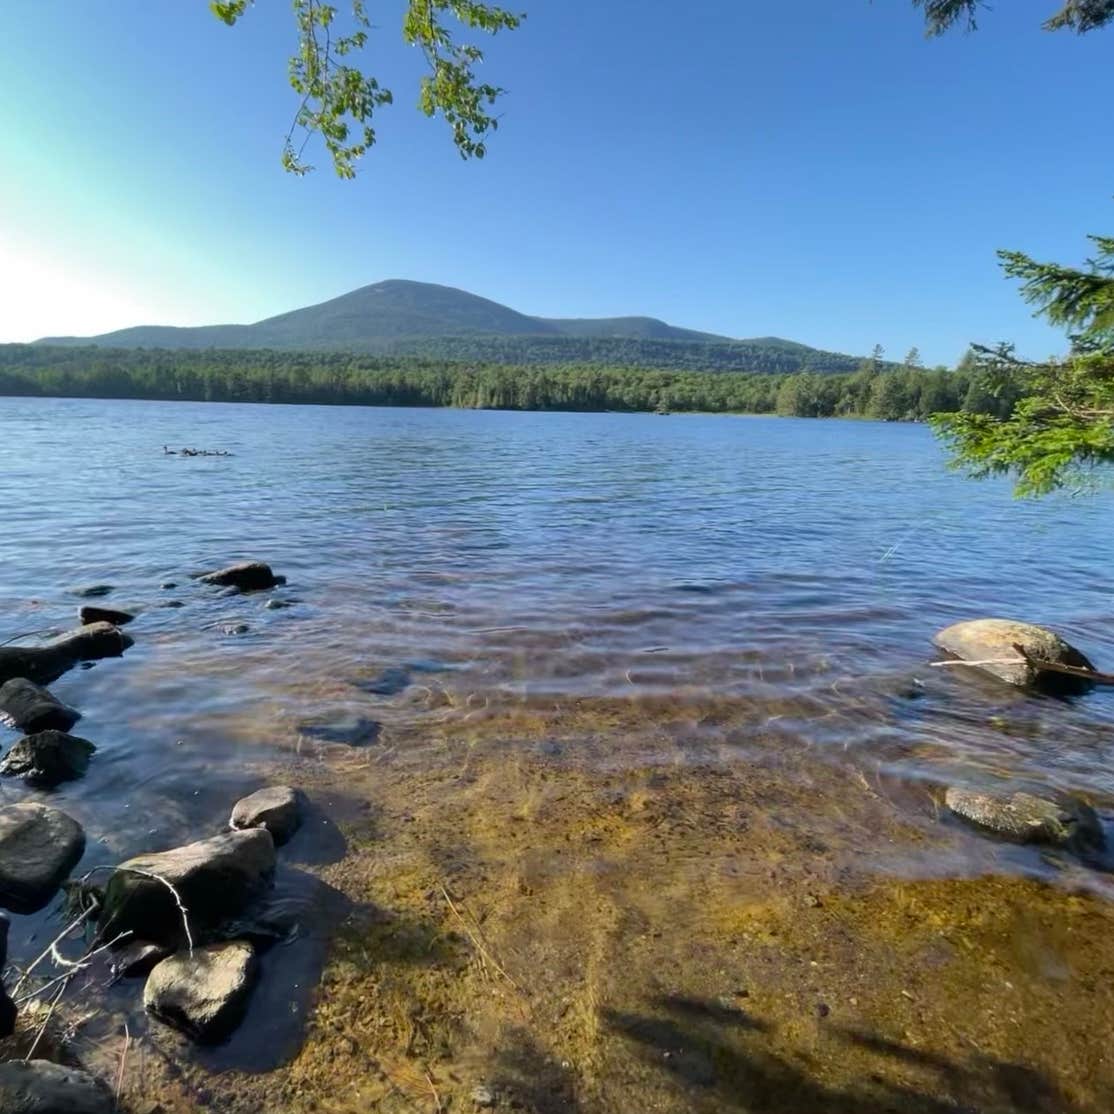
x=40, y=1087
x=989, y=645
x=277, y=808
x=39, y=846
x=1024, y=818
x=204, y=994
x=47, y=758
x=248, y=576
x=43, y=664
x=29, y=707
x=214, y=879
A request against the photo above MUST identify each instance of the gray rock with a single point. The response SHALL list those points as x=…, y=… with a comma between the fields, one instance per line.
x=7, y=1006
x=235, y=628
x=1023, y=818
x=249, y=576
x=137, y=957
x=278, y=809
x=92, y=591
x=166, y=585
x=204, y=994
x=39, y=846
x=215, y=879
x=990, y=642
x=172, y=603
x=276, y=604
x=40, y=1087
x=91, y=614
x=48, y=758
x=28, y=707
x=43, y=664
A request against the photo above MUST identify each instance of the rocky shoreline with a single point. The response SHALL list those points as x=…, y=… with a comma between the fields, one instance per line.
x=182, y=918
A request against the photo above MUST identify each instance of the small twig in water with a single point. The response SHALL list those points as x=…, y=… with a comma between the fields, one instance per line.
x=478, y=943
x=123, y=1064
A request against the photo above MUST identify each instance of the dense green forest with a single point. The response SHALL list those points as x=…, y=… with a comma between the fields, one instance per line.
x=874, y=390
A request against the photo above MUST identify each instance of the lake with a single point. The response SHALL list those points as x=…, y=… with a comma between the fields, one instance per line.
x=622, y=684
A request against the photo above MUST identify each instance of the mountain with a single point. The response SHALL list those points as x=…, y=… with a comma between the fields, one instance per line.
x=399, y=317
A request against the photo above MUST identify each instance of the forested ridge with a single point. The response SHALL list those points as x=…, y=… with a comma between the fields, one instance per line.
x=877, y=391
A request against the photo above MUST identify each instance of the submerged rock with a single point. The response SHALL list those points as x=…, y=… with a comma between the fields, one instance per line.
x=48, y=758
x=91, y=614
x=137, y=957
x=7, y=1006
x=43, y=664
x=248, y=576
x=30, y=708
x=390, y=682
x=214, y=878
x=990, y=643
x=92, y=591
x=39, y=846
x=40, y=1087
x=204, y=994
x=278, y=809
x=1023, y=818
x=233, y=629
x=352, y=731
x=166, y=585
x=172, y=603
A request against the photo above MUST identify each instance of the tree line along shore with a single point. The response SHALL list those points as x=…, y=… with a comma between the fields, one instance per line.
x=875, y=390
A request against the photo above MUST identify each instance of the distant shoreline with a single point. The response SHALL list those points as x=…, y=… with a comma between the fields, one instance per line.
x=335, y=378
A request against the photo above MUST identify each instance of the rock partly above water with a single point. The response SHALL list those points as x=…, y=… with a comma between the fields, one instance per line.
x=48, y=758
x=92, y=614
x=990, y=643
x=1023, y=818
x=215, y=879
x=43, y=664
x=29, y=707
x=39, y=846
x=40, y=1087
x=248, y=576
x=278, y=809
x=203, y=994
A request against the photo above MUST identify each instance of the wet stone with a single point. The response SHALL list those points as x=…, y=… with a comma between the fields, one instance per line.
x=390, y=682
x=40, y=1087
x=166, y=585
x=137, y=957
x=92, y=614
x=48, y=758
x=172, y=603
x=353, y=731
x=92, y=591
x=990, y=643
x=203, y=995
x=232, y=629
x=39, y=846
x=277, y=808
x=215, y=879
x=1024, y=818
x=29, y=707
x=248, y=576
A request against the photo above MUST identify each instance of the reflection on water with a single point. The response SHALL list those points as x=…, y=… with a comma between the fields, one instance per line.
x=607, y=595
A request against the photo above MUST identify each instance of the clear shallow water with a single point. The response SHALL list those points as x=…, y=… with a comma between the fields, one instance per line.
x=798, y=568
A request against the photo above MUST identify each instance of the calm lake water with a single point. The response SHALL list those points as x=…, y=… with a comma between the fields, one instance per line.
x=441, y=563
x=546, y=555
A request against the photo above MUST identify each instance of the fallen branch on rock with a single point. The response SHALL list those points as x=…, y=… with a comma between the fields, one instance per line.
x=1092, y=675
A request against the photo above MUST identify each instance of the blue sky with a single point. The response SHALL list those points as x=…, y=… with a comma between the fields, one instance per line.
x=814, y=170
